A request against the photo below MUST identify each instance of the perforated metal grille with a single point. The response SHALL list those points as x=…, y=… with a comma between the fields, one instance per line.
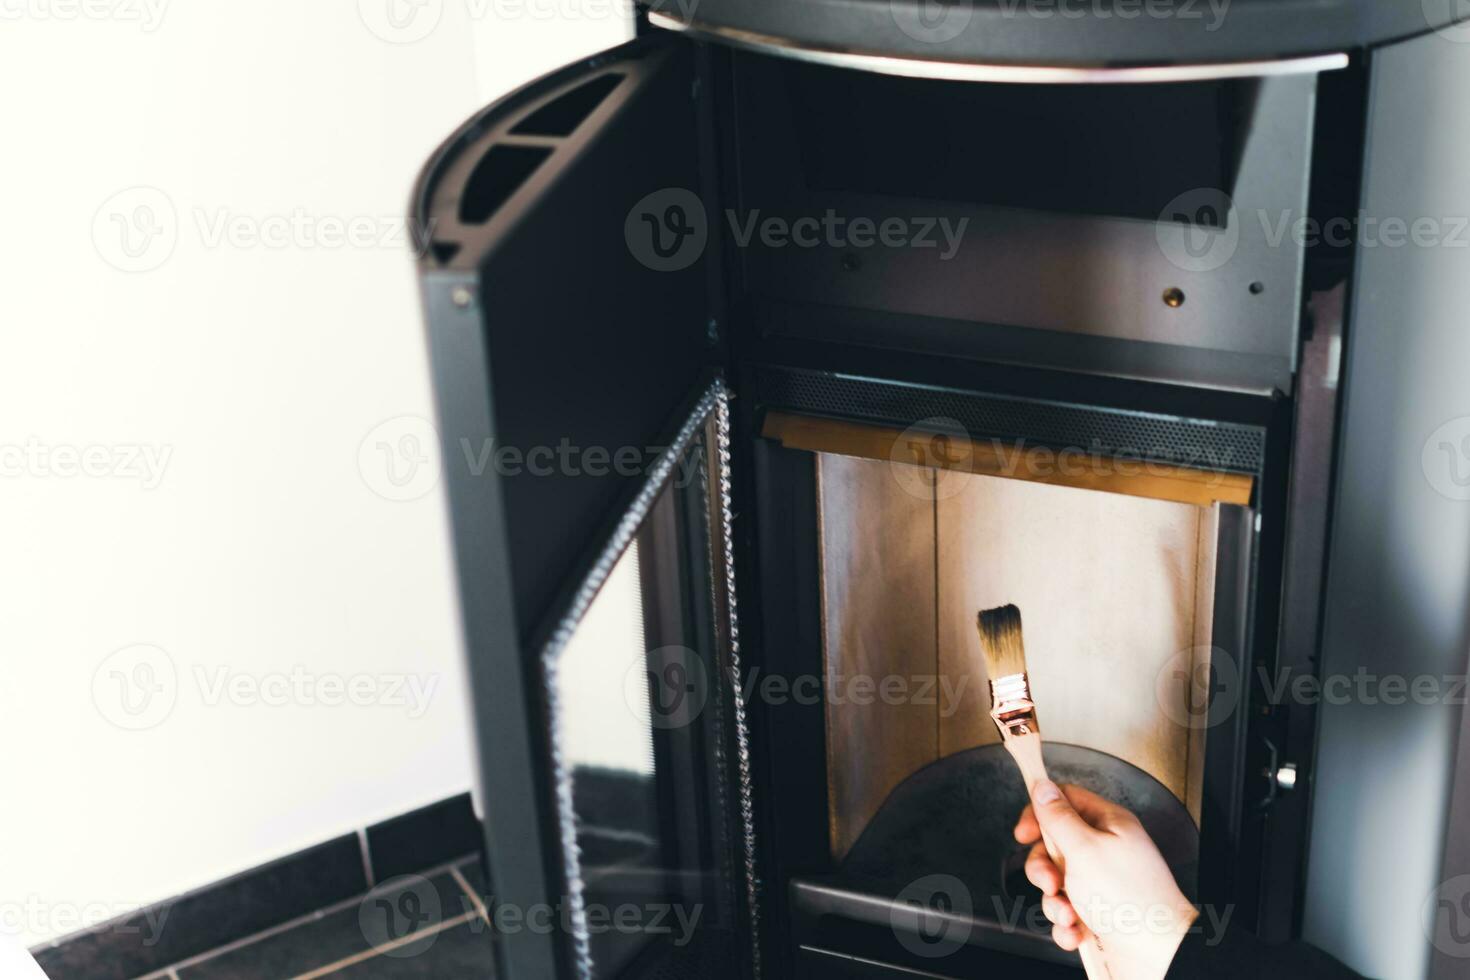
x=1199, y=443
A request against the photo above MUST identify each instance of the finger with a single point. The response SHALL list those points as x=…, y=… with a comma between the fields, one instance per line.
x=1028, y=831
x=1062, y=824
x=1059, y=911
x=1067, y=937
x=1041, y=872
x=1099, y=812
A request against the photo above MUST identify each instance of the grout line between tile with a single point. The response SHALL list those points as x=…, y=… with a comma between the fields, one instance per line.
x=264, y=934
x=377, y=951
x=367, y=858
x=476, y=899
x=290, y=924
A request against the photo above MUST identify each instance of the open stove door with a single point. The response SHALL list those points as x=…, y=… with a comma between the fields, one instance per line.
x=582, y=424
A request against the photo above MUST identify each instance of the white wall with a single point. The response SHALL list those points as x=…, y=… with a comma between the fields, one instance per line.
x=193, y=478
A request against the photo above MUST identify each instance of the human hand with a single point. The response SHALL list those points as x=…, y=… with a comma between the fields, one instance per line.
x=1112, y=884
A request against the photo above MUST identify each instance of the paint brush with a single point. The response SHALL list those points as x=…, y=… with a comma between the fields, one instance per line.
x=1014, y=712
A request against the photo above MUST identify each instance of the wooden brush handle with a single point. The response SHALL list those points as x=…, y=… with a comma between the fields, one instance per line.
x=1026, y=750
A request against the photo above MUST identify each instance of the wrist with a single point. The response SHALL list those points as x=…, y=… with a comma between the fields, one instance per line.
x=1182, y=920
x=1146, y=951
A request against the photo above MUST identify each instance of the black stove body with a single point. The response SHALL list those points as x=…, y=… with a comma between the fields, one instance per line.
x=697, y=306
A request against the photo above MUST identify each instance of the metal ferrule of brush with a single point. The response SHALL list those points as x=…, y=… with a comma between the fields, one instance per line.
x=1012, y=709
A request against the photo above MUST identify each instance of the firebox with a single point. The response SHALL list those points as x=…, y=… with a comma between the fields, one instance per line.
x=764, y=362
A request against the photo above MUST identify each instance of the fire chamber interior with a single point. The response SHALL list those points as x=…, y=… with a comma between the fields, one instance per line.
x=1116, y=593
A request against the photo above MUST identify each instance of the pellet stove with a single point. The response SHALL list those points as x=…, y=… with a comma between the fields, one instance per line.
x=772, y=346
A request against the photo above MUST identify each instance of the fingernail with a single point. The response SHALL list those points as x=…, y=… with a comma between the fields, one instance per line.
x=1046, y=792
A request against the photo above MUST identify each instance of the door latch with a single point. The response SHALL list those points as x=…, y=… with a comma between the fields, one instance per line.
x=1280, y=776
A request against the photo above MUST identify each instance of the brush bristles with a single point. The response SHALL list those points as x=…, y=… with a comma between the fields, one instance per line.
x=1000, y=642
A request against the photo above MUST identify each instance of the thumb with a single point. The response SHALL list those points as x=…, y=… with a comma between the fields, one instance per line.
x=1061, y=824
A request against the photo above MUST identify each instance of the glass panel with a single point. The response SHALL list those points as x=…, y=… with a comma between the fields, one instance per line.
x=608, y=744
x=641, y=727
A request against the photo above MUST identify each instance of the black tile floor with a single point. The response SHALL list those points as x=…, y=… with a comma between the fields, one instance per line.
x=432, y=924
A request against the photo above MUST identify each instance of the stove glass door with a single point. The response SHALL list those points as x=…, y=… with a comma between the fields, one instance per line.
x=579, y=417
